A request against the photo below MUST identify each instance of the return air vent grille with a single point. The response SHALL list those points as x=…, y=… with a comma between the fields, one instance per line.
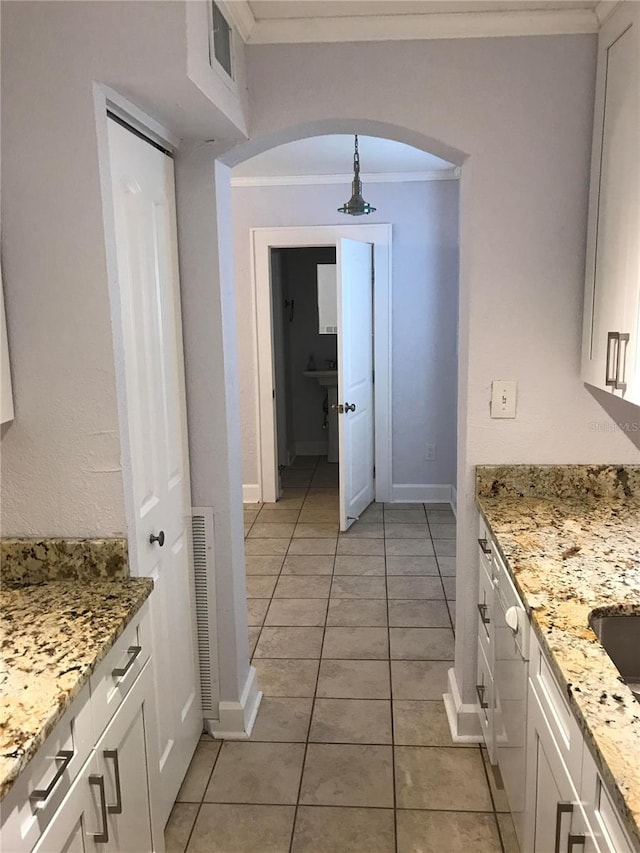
x=204, y=581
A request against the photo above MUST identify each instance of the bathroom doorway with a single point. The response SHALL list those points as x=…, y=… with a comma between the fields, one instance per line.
x=263, y=243
x=301, y=347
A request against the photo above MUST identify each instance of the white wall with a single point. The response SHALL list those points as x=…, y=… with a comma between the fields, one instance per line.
x=518, y=112
x=424, y=216
x=61, y=457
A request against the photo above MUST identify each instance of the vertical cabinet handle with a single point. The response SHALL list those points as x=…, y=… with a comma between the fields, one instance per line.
x=113, y=755
x=616, y=360
x=100, y=837
x=575, y=839
x=561, y=809
x=611, y=363
x=621, y=361
x=64, y=757
x=480, y=689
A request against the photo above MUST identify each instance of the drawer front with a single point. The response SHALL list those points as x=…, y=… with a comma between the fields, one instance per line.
x=556, y=710
x=485, y=704
x=43, y=784
x=485, y=546
x=486, y=604
x=114, y=677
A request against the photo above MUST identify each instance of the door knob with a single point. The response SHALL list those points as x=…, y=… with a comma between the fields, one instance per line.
x=349, y=407
x=159, y=538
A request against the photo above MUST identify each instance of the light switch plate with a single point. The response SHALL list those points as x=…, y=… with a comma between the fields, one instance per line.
x=503, y=398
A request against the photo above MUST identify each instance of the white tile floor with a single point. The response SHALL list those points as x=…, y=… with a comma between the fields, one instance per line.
x=352, y=637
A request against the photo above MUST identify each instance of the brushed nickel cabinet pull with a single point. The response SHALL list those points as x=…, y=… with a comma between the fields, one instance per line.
x=64, y=757
x=561, y=808
x=119, y=672
x=480, y=689
x=482, y=610
x=100, y=837
x=621, y=361
x=113, y=755
x=484, y=547
x=611, y=364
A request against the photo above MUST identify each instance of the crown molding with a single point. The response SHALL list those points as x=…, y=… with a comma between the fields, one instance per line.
x=430, y=26
x=605, y=8
x=377, y=178
x=239, y=16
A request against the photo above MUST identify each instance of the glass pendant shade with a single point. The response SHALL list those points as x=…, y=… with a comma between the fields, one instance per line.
x=356, y=206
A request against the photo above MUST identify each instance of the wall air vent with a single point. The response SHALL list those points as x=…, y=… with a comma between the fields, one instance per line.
x=220, y=41
x=205, y=603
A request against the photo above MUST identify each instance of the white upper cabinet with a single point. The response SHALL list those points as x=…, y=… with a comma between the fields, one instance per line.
x=611, y=352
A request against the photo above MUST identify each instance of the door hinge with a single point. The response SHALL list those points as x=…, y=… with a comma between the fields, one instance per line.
x=273, y=394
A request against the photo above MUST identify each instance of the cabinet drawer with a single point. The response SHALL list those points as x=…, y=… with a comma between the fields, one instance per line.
x=486, y=630
x=41, y=787
x=485, y=546
x=555, y=708
x=113, y=679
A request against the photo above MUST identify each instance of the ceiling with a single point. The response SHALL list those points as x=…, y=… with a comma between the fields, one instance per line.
x=333, y=155
x=305, y=21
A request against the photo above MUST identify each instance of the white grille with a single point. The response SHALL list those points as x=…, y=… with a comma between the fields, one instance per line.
x=203, y=568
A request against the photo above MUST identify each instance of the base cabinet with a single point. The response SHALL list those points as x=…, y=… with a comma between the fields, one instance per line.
x=568, y=809
x=103, y=797
x=552, y=801
x=108, y=807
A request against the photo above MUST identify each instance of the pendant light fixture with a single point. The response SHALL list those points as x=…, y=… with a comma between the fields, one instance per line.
x=356, y=205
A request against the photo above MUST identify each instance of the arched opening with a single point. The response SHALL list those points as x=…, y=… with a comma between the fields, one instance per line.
x=212, y=201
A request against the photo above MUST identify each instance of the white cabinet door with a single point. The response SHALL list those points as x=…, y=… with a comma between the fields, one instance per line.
x=610, y=348
x=122, y=757
x=355, y=378
x=553, y=813
x=156, y=446
x=79, y=824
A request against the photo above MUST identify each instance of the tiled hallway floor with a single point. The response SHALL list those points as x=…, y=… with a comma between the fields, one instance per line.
x=351, y=635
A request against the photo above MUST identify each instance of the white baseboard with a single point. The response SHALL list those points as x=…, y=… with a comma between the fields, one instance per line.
x=421, y=493
x=237, y=718
x=312, y=448
x=463, y=719
x=251, y=493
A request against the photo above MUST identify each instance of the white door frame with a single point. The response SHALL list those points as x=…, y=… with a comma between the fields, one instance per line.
x=262, y=241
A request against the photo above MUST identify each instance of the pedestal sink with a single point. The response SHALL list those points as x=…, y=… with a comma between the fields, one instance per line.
x=329, y=380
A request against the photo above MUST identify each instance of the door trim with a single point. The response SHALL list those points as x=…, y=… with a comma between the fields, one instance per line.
x=262, y=240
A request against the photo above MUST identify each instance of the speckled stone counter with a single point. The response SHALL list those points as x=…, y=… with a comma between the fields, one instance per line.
x=34, y=560
x=570, y=536
x=55, y=632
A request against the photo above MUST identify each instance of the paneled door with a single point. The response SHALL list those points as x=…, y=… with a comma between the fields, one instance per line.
x=155, y=443
x=355, y=378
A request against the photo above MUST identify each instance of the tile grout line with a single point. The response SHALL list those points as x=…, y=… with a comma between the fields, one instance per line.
x=313, y=703
x=393, y=736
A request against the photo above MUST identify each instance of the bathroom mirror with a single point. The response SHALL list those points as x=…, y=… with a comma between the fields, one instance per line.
x=327, y=299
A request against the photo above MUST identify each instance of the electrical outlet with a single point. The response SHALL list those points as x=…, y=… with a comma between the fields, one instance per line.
x=430, y=452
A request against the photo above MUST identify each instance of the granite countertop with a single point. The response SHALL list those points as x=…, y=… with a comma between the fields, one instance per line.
x=53, y=634
x=570, y=536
